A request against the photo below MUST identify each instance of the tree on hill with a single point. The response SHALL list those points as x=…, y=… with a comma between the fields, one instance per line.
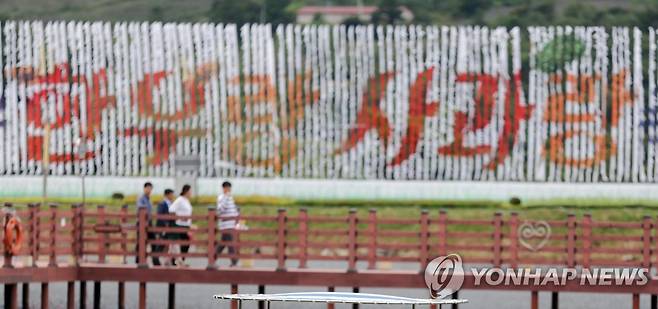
x=388, y=13
x=250, y=11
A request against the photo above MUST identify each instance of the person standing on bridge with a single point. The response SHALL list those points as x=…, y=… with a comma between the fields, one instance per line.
x=227, y=212
x=144, y=201
x=163, y=209
x=182, y=207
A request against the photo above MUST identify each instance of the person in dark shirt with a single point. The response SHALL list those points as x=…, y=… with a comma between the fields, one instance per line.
x=163, y=209
x=144, y=201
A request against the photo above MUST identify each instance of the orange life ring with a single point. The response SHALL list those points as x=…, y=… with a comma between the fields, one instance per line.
x=13, y=244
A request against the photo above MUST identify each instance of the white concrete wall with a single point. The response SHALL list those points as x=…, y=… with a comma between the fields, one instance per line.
x=21, y=186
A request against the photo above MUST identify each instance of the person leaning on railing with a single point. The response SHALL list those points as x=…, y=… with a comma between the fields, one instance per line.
x=182, y=207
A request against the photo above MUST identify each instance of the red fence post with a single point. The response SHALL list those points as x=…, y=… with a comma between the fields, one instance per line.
x=514, y=239
x=32, y=219
x=303, y=237
x=497, y=238
x=37, y=232
x=443, y=232
x=141, y=237
x=53, y=235
x=7, y=263
x=571, y=240
x=656, y=250
x=423, y=256
x=234, y=290
x=587, y=239
x=124, y=235
x=70, y=295
x=45, y=302
x=372, y=244
x=75, y=233
x=102, y=241
x=351, y=260
x=142, y=293
x=646, y=241
x=212, y=237
x=331, y=289
x=281, y=240
x=81, y=232
x=534, y=300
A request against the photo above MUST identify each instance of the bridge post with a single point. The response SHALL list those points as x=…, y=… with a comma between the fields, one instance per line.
x=102, y=237
x=443, y=221
x=534, y=300
x=355, y=290
x=372, y=243
x=281, y=240
x=261, y=290
x=124, y=248
x=124, y=234
x=171, y=296
x=70, y=295
x=455, y=296
x=424, y=239
x=654, y=297
x=571, y=240
x=36, y=235
x=83, y=294
x=44, y=295
x=303, y=237
x=26, y=295
x=141, y=238
x=555, y=301
x=76, y=231
x=587, y=239
x=32, y=240
x=514, y=240
x=102, y=243
x=331, y=289
x=11, y=295
x=497, y=237
x=142, y=295
x=212, y=238
x=97, y=295
x=53, y=235
x=121, y=295
x=646, y=242
x=352, y=241
x=234, y=290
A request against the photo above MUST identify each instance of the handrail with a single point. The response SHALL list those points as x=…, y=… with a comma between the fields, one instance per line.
x=108, y=235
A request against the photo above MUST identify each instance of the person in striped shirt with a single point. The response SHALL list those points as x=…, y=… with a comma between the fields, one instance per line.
x=227, y=212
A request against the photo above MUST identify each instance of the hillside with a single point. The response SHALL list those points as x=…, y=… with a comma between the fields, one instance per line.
x=505, y=12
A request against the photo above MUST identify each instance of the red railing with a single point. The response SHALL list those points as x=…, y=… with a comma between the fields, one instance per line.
x=102, y=244
x=111, y=235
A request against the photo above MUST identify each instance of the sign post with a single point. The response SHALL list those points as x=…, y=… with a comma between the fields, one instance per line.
x=187, y=171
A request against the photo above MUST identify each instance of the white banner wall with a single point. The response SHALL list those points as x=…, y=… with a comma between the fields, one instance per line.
x=329, y=102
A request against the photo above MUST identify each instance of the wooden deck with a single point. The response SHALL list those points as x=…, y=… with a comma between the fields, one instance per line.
x=94, y=244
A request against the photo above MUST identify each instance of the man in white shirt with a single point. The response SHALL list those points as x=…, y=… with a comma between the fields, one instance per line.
x=227, y=212
x=182, y=207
